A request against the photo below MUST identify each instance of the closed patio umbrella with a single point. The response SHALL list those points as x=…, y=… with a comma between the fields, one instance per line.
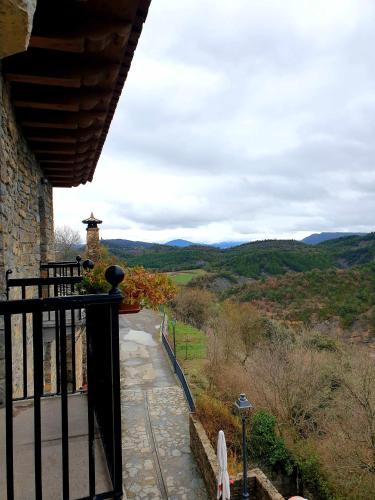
x=223, y=485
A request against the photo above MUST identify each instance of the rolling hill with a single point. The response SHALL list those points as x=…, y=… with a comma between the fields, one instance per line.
x=316, y=296
x=253, y=260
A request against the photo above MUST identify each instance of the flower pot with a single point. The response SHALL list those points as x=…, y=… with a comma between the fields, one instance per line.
x=126, y=308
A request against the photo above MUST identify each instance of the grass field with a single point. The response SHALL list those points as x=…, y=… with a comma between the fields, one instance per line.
x=191, y=343
x=191, y=350
x=184, y=277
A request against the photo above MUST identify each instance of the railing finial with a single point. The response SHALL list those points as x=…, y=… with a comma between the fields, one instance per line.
x=88, y=265
x=114, y=275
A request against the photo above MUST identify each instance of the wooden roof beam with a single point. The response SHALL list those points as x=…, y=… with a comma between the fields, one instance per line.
x=95, y=36
x=66, y=149
x=36, y=99
x=70, y=121
x=37, y=136
x=63, y=159
x=62, y=167
x=69, y=78
x=62, y=70
x=60, y=136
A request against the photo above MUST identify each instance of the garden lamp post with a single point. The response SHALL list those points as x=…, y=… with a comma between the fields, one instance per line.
x=243, y=407
x=174, y=342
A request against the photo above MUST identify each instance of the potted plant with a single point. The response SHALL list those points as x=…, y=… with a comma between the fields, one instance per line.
x=93, y=281
x=142, y=288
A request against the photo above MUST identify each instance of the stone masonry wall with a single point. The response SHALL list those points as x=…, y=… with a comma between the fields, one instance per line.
x=26, y=226
x=26, y=214
x=93, y=244
x=259, y=486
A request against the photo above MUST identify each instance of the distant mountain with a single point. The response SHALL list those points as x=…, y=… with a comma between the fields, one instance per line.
x=181, y=243
x=316, y=238
x=228, y=244
x=120, y=243
x=222, y=244
x=117, y=244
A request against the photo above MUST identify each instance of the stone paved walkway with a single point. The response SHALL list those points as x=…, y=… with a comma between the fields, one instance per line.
x=158, y=463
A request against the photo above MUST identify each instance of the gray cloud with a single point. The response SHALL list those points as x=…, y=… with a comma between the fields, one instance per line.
x=250, y=117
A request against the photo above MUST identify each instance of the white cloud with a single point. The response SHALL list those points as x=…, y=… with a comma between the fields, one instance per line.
x=240, y=120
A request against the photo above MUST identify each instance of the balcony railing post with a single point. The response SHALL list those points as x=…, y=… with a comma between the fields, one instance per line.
x=38, y=393
x=9, y=405
x=117, y=472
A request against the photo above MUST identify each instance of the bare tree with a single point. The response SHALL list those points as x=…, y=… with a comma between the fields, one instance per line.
x=66, y=242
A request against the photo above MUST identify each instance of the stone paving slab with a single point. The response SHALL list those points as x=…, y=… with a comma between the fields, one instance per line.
x=157, y=459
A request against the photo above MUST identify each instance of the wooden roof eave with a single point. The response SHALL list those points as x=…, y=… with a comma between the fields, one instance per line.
x=65, y=88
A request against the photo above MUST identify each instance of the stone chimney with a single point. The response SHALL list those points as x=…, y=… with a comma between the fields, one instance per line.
x=92, y=239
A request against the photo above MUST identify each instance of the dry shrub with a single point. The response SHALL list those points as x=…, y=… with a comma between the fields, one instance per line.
x=349, y=449
x=193, y=306
x=215, y=416
x=296, y=384
x=234, y=330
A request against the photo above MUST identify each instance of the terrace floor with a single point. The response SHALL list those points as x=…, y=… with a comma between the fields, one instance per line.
x=23, y=417
x=157, y=459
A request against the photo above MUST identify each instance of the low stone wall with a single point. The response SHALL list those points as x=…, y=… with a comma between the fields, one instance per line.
x=260, y=488
x=204, y=455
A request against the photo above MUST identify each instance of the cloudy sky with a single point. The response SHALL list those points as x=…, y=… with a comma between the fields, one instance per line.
x=240, y=120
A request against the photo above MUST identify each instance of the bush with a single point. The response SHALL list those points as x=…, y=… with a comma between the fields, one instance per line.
x=313, y=478
x=266, y=446
x=271, y=450
x=193, y=306
x=216, y=416
x=322, y=343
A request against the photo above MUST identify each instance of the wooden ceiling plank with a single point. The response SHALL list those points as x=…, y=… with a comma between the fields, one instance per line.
x=53, y=106
x=62, y=158
x=95, y=36
x=45, y=124
x=66, y=44
x=67, y=152
x=57, y=140
x=72, y=121
x=69, y=82
x=37, y=97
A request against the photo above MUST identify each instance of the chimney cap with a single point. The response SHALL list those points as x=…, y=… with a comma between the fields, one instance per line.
x=92, y=221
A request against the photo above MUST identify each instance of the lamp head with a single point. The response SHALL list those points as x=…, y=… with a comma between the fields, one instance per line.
x=242, y=404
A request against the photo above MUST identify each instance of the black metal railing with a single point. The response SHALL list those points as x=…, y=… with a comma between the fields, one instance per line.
x=26, y=288
x=102, y=387
x=178, y=370
x=62, y=268
x=43, y=287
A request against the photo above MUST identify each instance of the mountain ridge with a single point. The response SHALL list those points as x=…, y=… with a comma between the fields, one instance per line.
x=316, y=238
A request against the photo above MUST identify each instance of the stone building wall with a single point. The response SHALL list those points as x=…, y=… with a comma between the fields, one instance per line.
x=26, y=216
x=26, y=226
